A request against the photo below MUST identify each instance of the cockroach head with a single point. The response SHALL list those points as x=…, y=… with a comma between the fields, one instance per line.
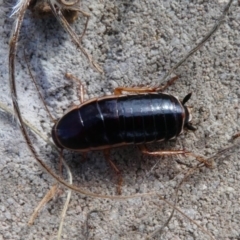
x=188, y=115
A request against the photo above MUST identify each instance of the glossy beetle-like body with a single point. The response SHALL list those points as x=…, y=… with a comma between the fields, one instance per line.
x=113, y=121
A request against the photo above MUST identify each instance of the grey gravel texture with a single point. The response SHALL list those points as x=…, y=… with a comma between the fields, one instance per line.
x=135, y=42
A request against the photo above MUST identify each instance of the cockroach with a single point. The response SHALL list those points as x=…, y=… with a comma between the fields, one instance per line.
x=117, y=120
x=112, y=121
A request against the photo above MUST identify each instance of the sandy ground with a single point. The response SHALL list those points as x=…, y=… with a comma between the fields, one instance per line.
x=135, y=43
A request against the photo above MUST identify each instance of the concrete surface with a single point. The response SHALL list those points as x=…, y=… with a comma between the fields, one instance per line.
x=135, y=42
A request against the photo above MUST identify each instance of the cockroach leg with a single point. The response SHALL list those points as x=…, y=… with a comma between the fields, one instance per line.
x=116, y=170
x=80, y=88
x=120, y=90
x=144, y=150
x=201, y=159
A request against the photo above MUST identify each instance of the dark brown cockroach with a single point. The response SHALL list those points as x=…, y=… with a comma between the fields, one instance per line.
x=118, y=120
x=113, y=121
